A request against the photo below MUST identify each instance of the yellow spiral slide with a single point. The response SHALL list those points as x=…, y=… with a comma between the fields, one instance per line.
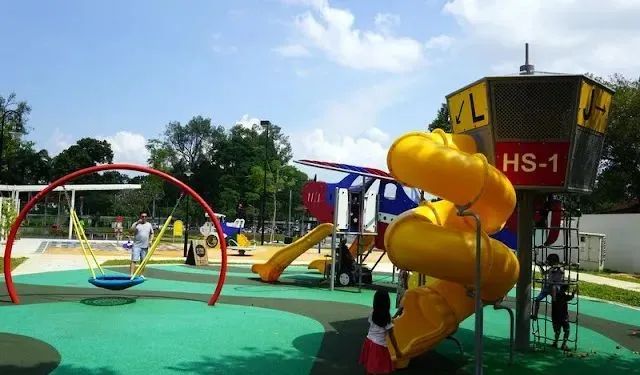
x=272, y=269
x=434, y=240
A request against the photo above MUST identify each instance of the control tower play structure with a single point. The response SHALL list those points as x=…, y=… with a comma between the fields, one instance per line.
x=516, y=139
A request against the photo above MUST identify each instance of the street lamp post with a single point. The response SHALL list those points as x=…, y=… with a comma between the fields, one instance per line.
x=188, y=173
x=266, y=124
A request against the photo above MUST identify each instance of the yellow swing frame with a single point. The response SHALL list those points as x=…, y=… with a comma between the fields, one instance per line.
x=82, y=238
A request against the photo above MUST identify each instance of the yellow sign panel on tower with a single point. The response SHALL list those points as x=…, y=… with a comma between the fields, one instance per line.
x=469, y=109
x=594, y=107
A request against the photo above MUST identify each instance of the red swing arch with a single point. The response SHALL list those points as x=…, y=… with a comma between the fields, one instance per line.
x=108, y=167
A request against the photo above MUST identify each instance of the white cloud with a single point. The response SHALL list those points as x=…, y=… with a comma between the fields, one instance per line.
x=59, y=141
x=359, y=110
x=377, y=135
x=332, y=31
x=347, y=130
x=386, y=21
x=301, y=73
x=565, y=36
x=317, y=4
x=442, y=42
x=219, y=47
x=128, y=147
x=347, y=149
x=248, y=122
x=292, y=50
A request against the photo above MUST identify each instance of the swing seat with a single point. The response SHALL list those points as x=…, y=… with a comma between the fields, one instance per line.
x=115, y=282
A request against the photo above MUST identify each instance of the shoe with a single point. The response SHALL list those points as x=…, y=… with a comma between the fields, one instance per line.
x=564, y=347
x=554, y=345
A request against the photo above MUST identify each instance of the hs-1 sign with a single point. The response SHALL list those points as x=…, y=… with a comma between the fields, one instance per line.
x=533, y=164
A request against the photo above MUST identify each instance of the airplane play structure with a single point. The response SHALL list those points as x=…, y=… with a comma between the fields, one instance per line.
x=387, y=197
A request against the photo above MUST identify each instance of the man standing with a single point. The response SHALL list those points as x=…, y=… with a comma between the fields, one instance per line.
x=143, y=235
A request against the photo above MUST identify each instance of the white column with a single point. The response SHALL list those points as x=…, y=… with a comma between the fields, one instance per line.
x=17, y=202
x=72, y=208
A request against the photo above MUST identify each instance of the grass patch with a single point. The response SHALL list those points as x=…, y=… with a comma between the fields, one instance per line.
x=610, y=293
x=632, y=278
x=15, y=262
x=126, y=262
x=605, y=292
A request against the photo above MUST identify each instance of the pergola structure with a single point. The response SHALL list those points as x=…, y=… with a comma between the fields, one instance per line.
x=15, y=191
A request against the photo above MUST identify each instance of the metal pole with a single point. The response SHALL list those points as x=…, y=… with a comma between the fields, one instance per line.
x=479, y=317
x=188, y=173
x=73, y=207
x=333, y=239
x=361, y=231
x=499, y=306
x=479, y=312
x=264, y=182
x=45, y=211
x=289, y=219
x=1, y=226
x=523, y=287
x=186, y=230
x=4, y=116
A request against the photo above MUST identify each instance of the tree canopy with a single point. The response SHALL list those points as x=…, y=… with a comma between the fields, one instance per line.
x=618, y=181
x=442, y=120
x=227, y=166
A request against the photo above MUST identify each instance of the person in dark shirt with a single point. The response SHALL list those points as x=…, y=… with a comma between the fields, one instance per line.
x=560, y=316
x=346, y=259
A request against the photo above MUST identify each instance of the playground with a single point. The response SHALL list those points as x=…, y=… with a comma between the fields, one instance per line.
x=481, y=277
x=296, y=326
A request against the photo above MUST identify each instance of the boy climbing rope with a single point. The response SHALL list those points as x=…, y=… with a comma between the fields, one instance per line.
x=553, y=279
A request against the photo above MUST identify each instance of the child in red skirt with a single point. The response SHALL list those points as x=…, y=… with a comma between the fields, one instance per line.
x=374, y=355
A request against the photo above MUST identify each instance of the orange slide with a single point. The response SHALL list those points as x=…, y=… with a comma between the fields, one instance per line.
x=433, y=240
x=321, y=264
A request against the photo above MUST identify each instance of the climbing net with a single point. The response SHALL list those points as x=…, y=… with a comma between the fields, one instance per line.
x=556, y=260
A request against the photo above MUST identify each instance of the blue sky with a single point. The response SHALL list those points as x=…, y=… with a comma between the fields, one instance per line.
x=343, y=78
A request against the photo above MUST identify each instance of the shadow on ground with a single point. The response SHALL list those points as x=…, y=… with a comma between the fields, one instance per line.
x=542, y=362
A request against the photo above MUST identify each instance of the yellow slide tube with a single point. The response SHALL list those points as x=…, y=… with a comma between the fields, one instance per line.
x=321, y=264
x=432, y=239
x=273, y=268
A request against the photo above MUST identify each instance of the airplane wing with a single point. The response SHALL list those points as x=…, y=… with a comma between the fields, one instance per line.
x=347, y=168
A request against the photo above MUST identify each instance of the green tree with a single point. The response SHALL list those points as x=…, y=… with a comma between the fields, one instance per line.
x=618, y=181
x=9, y=215
x=442, y=120
x=17, y=153
x=186, y=146
x=34, y=167
x=227, y=165
x=87, y=152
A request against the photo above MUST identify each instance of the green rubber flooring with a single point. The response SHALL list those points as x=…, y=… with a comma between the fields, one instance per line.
x=64, y=325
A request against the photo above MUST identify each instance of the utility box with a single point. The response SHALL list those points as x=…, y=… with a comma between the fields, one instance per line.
x=593, y=250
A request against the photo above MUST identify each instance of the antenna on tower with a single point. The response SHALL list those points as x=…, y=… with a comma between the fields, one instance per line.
x=526, y=68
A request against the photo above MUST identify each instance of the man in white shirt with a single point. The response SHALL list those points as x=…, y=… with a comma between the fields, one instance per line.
x=143, y=236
